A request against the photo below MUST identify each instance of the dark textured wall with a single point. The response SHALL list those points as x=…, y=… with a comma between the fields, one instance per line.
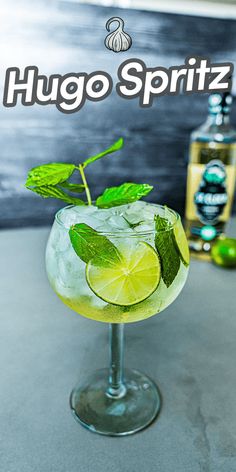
x=62, y=37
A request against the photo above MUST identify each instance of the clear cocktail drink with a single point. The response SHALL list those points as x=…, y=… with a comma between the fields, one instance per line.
x=117, y=265
x=131, y=228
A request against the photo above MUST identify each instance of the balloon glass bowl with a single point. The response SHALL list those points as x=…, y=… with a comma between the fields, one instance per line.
x=141, y=267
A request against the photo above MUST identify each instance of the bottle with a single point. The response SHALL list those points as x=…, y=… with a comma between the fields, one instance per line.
x=211, y=177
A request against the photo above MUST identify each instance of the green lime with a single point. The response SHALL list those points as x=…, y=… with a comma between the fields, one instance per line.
x=131, y=280
x=181, y=242
x=223, y=252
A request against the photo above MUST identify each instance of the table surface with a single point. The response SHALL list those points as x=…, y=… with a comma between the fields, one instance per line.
x=189, y=350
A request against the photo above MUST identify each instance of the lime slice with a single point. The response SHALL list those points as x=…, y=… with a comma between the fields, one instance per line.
x=181, y=242
x=129, y=281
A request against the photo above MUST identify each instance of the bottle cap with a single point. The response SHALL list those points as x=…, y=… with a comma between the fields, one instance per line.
x=220, y=103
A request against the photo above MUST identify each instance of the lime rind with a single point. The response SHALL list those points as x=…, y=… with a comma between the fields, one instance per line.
x=181, y=243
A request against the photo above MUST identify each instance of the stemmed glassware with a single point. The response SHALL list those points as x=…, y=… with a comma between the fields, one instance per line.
x=150, y=273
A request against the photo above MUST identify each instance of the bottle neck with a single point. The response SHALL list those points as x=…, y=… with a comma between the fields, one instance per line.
x=218, y=119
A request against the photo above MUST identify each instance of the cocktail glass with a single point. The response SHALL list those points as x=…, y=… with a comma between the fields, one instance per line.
x=116, y=401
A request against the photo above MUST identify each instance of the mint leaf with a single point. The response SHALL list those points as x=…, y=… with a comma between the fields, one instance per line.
x=133, y=225
x=49, y=174
x=89, y=244
x=125, y=193
x=76, y=188
x=165, y=246
x=115, y=147
x=55, y=192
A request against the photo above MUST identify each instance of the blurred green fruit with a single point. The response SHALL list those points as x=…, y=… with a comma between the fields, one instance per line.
x=223, y=252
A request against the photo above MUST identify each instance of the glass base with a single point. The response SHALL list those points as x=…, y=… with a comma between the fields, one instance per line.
x=102, y=413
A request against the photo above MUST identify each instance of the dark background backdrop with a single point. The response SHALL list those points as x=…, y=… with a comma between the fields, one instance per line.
x=61, y=37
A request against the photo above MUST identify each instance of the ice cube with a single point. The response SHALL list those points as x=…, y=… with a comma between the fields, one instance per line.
x=118, y=222
x=59, y=238
x=137, y=205
x=149, y=211
x=144, y=228
x=75, y=214
x=102, y=215
x=129, y=230
x=133, y=217
x=134, y=213
x=84, y=209
x=105, y=228
x=119, y=210
x=140, y=212
x=90, y=221
x=70, y=269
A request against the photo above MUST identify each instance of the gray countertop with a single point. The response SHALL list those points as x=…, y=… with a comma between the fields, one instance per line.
x=189, y=350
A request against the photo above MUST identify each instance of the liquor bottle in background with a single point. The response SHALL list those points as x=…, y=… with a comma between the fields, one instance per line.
x=211, y=176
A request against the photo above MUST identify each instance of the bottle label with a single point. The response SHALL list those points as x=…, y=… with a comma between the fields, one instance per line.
x=210, y=187
x=204, y=152
x=211, y=196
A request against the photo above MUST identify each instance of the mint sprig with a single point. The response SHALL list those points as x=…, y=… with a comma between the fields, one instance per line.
x=115, y=147
x=43, y=178
x=76, y=188
x=89, y=244
x=125, y=193
x=52, y=180
x=55, y=192
x=49, y=174
x=166, y=248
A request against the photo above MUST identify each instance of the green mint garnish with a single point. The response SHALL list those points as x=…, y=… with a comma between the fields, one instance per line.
x=125, y=193
x=169, y=257
x=133, y=225
x=43, y=178
x=52, y=180
x=49, y=174
x=76, y=188
x=115, y=147
x=48, y=191
x=89, y=244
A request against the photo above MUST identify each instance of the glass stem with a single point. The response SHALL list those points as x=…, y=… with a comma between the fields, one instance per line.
x=116, y=387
